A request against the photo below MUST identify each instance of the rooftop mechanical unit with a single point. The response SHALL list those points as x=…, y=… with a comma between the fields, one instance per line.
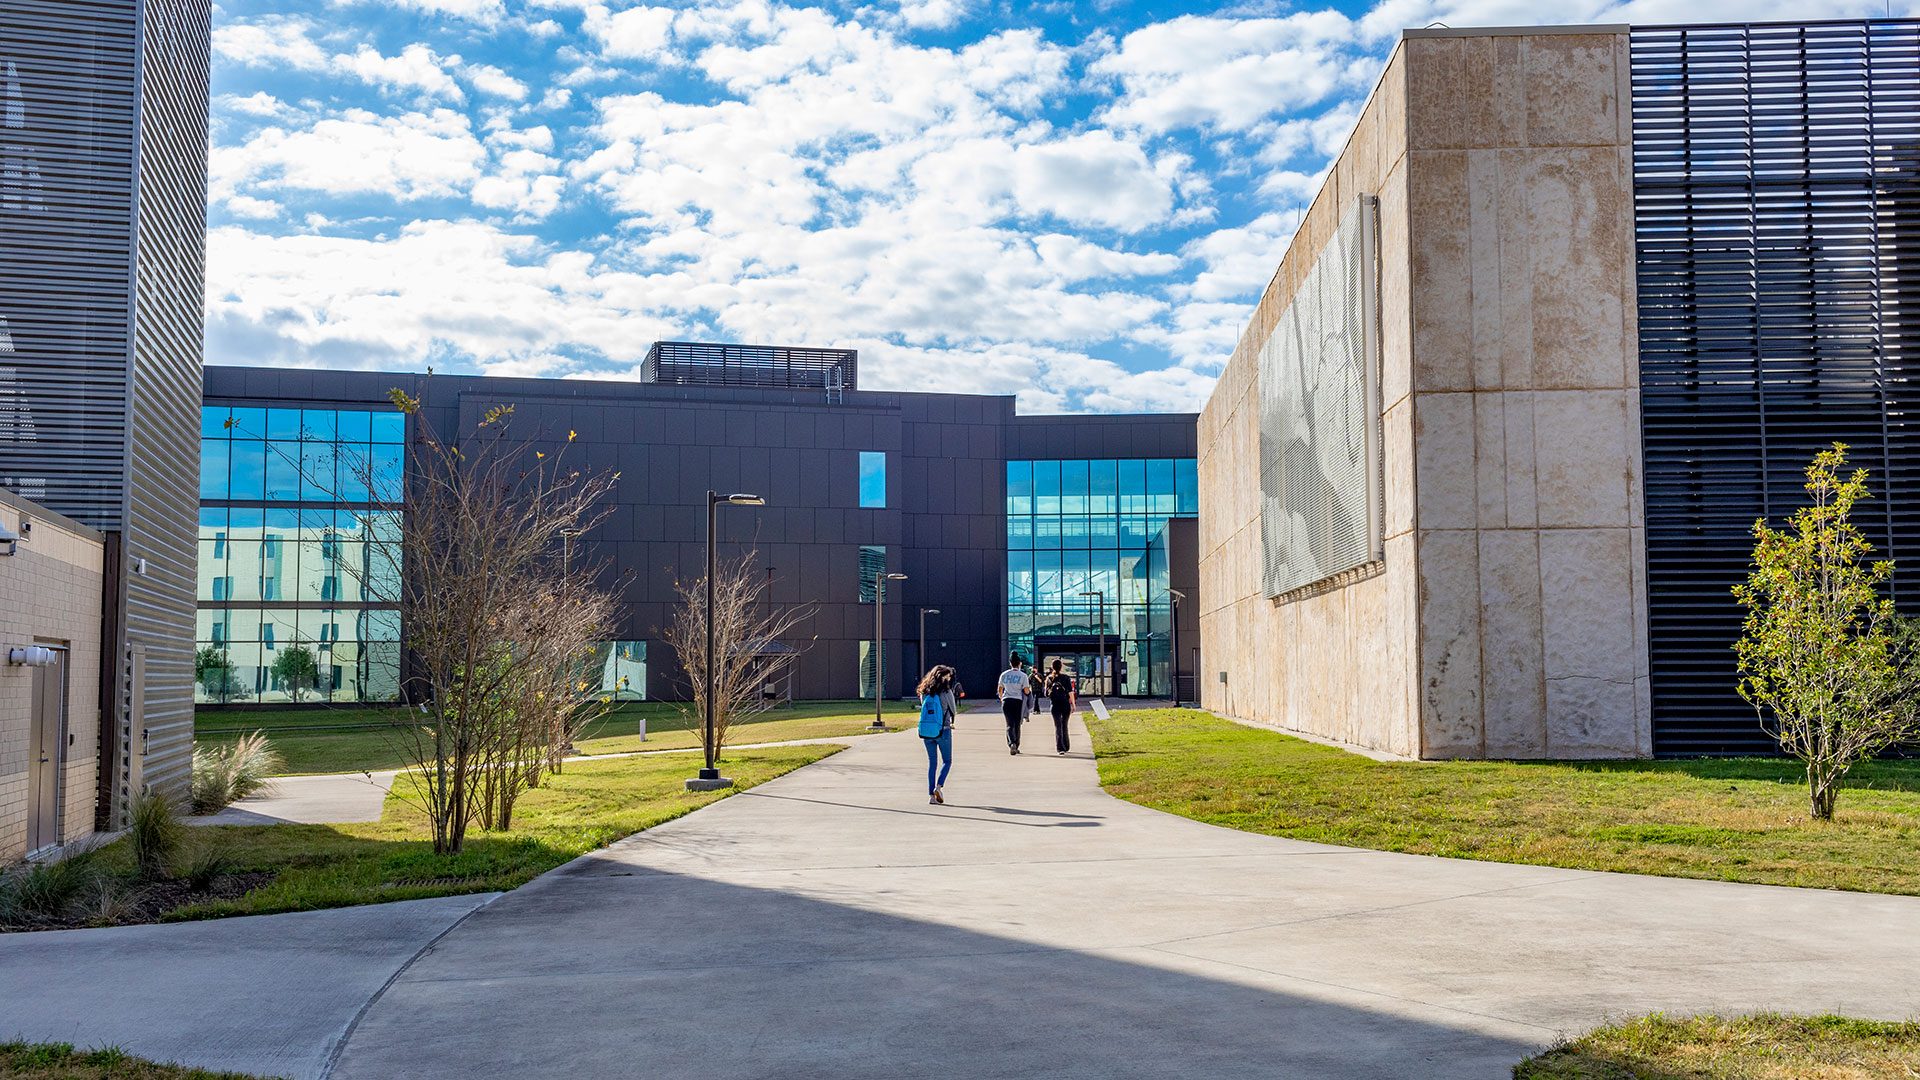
x=699, y=363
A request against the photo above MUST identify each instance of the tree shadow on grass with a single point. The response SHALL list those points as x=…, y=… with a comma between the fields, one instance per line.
x=1885, y=774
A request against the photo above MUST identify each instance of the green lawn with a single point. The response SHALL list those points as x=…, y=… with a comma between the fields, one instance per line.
x=1729, y=819
x=588, y=806
x=1764, y=1047
x=363, y=739
x=60, y=1061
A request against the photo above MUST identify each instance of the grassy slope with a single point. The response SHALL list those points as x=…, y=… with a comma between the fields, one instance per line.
x=590, y=805
x=60, y=1061
x=315, y=740
x=1765, y=1047
x=1737, y=820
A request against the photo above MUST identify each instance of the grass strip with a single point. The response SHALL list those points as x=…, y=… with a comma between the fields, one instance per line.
x=60, y=1061
x=1767, y=1046
x=589, y=805
x=365, y=740
x=1725, y=819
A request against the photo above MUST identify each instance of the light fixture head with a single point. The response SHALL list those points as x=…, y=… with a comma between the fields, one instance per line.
x=1176, y=594
x=896, y=577
x=929, y=611
x=746, y=500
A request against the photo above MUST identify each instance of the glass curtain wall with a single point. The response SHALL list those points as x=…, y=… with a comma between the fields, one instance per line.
x=1077, y=527
x=299, y=555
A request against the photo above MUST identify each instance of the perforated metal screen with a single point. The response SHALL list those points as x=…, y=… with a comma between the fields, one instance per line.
x=1320, y=481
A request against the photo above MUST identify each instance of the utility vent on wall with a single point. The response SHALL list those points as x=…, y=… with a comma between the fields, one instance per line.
x=1321, y=504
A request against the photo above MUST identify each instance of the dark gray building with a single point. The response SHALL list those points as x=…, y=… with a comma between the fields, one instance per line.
x=103, y=132
x=940, y=487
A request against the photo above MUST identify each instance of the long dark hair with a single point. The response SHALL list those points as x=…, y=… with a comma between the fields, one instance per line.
x=938, y=681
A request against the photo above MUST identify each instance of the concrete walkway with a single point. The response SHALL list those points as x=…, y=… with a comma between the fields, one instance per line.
x=270, y=995
x=322, y=799
x=832, y=924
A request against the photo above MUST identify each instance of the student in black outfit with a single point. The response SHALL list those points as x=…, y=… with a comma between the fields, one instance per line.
x=1059, y=689
x=1013, y=684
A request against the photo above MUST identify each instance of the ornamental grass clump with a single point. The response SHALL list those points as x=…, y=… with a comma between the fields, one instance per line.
x=156, y=834
x=224, y=774
x=1828, y=666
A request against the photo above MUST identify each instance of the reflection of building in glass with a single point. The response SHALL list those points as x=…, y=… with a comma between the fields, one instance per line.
x=1076, y=527
x=299, y=550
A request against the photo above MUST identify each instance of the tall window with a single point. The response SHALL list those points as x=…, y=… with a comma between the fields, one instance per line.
x=873, y=563
x=873, y=478
x=297, y=510
x=1078, y=527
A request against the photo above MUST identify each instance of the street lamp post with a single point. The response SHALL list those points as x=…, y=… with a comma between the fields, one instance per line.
x=1173, y=658
x=710, y=778
x=1105, y=669
x=880, y=580
x=924, y=612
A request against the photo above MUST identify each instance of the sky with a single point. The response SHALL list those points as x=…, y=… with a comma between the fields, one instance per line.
x=1074, y=203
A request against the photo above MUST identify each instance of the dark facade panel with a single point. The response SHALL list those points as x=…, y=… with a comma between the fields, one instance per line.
x=1774, y=216
x=943, y=523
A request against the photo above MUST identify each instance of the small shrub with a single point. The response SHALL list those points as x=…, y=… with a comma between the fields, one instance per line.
x=208, y=865
x=156, y=834
x=222, y=774
x=40, y=894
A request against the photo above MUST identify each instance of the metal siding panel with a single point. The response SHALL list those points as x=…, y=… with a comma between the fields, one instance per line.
x=1774, y=188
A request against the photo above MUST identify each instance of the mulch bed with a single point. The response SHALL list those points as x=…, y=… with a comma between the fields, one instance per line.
x=152, y=901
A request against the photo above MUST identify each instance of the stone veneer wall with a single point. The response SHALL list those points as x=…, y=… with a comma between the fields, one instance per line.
x=50, y=590
x=1509, y=618
x=1339, y=663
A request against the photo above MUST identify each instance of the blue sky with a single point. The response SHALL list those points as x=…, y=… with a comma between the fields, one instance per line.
x=1074, y=203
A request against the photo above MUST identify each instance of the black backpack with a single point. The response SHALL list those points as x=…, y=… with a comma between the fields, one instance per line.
x=1060, y=688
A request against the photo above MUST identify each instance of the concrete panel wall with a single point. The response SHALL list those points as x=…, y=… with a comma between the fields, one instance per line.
x=50, y=593
x=1508, y=618
x=1338, y=662
x=1525, y=393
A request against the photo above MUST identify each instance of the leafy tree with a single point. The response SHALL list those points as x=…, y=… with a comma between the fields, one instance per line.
x=297, y=671
x=1825, y=662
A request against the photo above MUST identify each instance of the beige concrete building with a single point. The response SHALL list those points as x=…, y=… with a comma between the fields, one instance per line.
x=1500, y=613
x=51, y=588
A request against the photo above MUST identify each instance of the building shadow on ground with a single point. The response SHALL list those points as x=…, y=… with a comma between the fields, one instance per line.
x=605, y=968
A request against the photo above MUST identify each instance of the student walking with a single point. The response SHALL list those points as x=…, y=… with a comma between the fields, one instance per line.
x=1014, y=685
x=1059, y=690
x=937, y=710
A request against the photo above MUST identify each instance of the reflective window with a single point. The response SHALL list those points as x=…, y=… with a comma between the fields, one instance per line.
x=1085, y=527
x=873, y=478
x=288, y=517
x=873, y=563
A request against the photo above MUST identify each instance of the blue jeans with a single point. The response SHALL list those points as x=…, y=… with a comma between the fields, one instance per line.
x=940, y=757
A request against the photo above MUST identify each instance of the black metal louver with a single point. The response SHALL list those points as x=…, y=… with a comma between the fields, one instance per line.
x=1777, y=231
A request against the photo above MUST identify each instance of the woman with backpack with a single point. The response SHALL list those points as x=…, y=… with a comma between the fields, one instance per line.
x=1059, y=690
x=937, y=710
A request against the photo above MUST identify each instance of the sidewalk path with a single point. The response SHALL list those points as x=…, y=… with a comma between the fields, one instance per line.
x=832, y=924
x=269, y=995
x=321, y=799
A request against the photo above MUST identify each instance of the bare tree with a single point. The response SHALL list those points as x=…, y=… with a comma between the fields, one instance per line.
x=748, y=652
x=495, y=626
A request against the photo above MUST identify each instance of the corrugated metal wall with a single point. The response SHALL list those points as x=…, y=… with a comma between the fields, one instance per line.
x=163, y=441
x=100, y=320
x=1774, y=222
x=66, y=207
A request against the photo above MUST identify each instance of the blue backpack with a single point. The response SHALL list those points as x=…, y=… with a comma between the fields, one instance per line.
x=933, y=717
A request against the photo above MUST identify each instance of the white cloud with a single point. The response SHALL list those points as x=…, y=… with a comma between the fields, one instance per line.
x=637, y=33
x=258, y=103
x=491, y=80
x=484, y=12
x=1091, y=179
x=410, y=156
x=248, y=207
x=1227, y=74
x=417, y=67
x=269, y=41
